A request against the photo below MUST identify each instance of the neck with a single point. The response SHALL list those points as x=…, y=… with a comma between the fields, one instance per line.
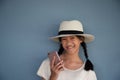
x=72, y=61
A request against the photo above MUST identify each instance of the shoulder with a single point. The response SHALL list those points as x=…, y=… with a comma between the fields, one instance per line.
x=92, y=75
x=89, y=75
x=46, y=61
x=91, y=72
x=44, y=67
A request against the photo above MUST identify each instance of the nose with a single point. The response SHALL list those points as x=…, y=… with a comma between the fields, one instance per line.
x=69, y=42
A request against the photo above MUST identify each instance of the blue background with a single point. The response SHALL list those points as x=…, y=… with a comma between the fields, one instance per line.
x=26, y=25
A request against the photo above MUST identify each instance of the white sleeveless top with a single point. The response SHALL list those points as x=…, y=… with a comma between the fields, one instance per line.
x=66, y=74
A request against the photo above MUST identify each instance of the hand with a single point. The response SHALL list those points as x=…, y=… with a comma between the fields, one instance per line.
x=55, y=69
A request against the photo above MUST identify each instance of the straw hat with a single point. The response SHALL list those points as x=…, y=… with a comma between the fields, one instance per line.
x=70, y=28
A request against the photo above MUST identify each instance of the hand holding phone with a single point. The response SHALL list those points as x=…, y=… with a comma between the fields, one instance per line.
x=53, y=54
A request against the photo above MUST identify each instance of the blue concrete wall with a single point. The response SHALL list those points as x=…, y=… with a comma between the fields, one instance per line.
x=26, y=25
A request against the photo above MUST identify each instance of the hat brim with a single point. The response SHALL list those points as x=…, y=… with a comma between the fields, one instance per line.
x=88, y=37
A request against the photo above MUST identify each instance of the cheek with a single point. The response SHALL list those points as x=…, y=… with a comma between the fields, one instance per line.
x=78, y=43
x=63, y=44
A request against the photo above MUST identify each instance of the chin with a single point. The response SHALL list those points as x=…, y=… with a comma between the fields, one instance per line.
x=70, y=51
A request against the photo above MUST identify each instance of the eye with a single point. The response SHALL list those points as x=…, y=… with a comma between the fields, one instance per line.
x=63, y=39
x=72, y=37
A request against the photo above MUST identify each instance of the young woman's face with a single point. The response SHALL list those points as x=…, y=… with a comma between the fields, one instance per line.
x=71, y=44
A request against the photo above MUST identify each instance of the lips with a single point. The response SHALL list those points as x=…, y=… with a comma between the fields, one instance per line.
x=70, y=47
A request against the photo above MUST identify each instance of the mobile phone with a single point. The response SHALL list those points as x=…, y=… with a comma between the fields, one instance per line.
x=51, y=56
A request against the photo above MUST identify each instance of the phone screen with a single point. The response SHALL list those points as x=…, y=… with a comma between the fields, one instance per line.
x=51, y=56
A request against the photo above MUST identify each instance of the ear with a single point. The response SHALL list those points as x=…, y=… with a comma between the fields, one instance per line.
x=81, y=39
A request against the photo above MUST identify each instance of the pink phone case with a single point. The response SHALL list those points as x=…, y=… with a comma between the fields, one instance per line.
x=52, y=54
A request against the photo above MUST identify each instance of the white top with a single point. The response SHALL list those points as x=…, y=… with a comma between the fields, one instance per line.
x=66, y=74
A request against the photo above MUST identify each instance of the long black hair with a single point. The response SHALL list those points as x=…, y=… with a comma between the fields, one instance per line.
x=88, y=64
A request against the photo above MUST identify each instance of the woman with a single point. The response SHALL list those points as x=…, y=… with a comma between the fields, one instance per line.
x=71, y=66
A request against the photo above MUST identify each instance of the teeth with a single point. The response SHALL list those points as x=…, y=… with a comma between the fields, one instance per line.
x=70, y=47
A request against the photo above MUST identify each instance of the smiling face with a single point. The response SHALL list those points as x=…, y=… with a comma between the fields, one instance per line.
x=71, y=44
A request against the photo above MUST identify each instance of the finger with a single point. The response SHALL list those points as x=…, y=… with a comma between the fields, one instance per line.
x=60, y=62
x=59, y=68
x=59, y=65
